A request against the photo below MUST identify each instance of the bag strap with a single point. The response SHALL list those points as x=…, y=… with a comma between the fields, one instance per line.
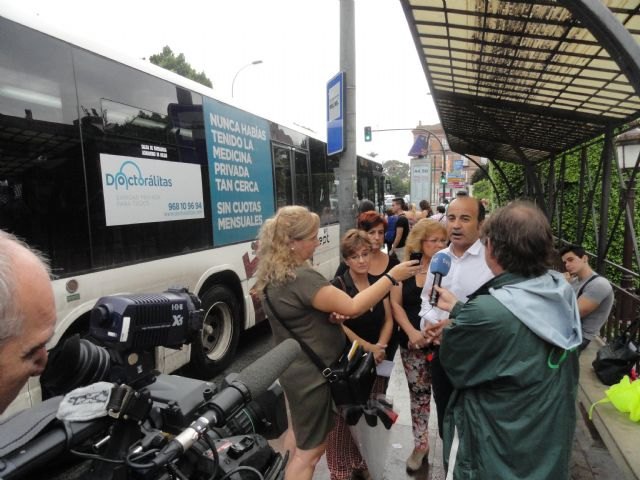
x=592, y=277
x=343, y=286
x=326, y=371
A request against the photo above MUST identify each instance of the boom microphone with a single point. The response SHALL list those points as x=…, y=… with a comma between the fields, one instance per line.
x=440, y=265
x=259, y=376
x=250, y=382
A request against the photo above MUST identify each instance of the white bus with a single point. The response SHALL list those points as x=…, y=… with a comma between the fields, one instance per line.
x=133, y=179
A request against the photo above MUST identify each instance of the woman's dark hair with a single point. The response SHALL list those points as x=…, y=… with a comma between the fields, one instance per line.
x=521, y=238
x=366, y=205
x=425, y=207
x=369, y=220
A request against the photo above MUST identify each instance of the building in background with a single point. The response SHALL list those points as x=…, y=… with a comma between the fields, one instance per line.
x=437, y=173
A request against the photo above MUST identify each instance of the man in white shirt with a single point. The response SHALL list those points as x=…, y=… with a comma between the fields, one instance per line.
x=469, y=271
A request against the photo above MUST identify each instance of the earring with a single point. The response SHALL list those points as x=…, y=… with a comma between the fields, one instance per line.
x=293, y=249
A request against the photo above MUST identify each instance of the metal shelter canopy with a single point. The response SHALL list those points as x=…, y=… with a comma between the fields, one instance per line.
x=520, y=80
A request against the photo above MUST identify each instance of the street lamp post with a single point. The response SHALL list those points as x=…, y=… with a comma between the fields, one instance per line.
x=628, y=151
x=444, y=160
x=255, y=62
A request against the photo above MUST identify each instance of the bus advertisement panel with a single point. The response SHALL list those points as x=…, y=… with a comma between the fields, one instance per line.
x=240, y=171
x=139, y=190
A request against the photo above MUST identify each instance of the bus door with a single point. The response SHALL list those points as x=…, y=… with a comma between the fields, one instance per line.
x=291, y=175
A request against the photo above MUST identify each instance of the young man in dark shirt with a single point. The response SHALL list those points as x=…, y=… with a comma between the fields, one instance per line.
x=399, y=208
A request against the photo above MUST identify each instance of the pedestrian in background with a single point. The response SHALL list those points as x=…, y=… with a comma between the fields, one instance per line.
x=402, y=227
x=412, y=215
x=440, y=214
x=366, y=205
x=390, y=233
x=425, y=209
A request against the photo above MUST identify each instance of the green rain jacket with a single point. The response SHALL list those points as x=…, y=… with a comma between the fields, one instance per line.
x=513, y=412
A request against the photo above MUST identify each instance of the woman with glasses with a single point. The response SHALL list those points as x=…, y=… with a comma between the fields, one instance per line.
x=372, y=330
x=375, y=227
x=301, y=300
x=427, y=238
x=380, y=263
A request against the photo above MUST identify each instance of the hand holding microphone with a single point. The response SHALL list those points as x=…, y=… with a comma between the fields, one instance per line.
x=440, y=265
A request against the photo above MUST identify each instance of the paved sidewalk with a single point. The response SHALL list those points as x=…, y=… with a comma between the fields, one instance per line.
x=590, y=459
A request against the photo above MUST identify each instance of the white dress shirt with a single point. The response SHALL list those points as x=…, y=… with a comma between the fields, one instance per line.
x=467, y=273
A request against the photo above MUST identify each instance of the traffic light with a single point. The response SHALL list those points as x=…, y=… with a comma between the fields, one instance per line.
x=367, y=134
x=443, y=177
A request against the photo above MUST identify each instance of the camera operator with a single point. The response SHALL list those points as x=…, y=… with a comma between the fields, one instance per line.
x=27, y=315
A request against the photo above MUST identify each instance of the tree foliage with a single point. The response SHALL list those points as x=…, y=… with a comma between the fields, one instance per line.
x=483, y=189
x=397, y=173
x=178, y=64
x=576, y=218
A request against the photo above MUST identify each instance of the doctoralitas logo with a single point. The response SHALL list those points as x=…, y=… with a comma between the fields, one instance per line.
x=130, y=175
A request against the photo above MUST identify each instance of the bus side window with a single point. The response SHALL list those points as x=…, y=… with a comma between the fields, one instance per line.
x=282, y=176
x=302, y=192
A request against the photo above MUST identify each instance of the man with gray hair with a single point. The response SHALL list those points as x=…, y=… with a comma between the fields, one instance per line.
x=510, y=354
x=27, y=316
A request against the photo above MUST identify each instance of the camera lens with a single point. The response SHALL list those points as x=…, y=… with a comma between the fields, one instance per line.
x=77, y=363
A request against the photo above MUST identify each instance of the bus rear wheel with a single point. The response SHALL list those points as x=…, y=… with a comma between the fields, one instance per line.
x=213, y=350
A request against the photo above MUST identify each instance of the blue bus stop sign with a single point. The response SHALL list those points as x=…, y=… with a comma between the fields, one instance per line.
x=335, y=114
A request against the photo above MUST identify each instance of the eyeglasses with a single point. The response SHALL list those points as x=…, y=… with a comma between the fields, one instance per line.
x=435, y=240
x=362, y=256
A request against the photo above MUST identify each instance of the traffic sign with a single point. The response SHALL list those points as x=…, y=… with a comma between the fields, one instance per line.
x=335, y=114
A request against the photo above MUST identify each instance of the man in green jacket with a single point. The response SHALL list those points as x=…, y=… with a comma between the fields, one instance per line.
x=510, y=355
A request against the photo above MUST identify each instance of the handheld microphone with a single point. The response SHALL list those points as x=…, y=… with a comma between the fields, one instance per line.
x=250, y=382
x=440, y=265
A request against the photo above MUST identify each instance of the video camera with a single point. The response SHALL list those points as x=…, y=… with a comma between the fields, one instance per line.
x=153, y=426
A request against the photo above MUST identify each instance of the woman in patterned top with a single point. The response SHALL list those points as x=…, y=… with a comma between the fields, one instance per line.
x=427, y=237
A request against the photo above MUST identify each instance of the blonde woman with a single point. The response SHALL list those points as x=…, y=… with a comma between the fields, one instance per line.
x=427, y=238
x=413, y=215
x=305, y=300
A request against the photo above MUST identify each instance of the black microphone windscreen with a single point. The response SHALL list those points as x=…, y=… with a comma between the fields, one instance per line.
x=259, y=376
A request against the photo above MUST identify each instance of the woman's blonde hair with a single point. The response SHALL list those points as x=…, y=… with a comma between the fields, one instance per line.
x=421, y=230
x=276, y=262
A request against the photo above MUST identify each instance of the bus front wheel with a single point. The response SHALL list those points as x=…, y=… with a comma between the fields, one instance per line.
x=213, y=350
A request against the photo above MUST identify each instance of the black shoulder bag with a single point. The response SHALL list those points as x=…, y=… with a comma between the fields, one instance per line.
x=350, y=377
x=616, y=359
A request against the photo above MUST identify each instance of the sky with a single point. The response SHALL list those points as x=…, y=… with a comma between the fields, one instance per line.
x=298, y=42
